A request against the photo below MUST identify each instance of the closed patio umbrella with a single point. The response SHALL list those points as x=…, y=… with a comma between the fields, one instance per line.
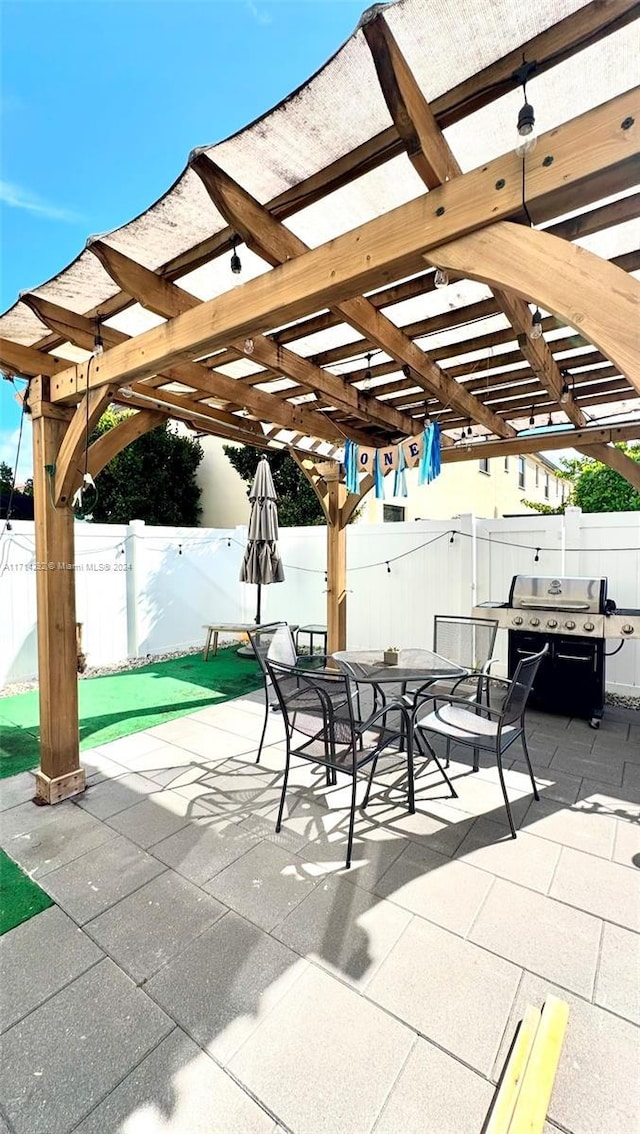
x=261, y=563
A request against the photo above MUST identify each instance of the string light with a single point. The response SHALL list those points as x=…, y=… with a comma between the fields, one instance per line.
x=532, y=419
x=452, y=537
x=406, y=370
x=441, y=278
x=179, y=549
x=536, y=558
x=526, y=117
x=469, y=430
x=236, y=263
x=565, y=392
x=550, y=421
x=367, y=374
x=248, y=346
x=98, y=344
x=536, y=325
x=388, y=568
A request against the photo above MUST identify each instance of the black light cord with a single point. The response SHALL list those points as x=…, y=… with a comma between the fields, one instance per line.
x=7, y=524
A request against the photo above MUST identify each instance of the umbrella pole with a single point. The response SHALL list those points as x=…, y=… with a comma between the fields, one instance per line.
x=259, y=611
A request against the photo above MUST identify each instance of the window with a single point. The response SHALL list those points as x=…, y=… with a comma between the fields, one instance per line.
x=506, y=464
x=537, y=476
x=521, y=472
x=483, y=465
x=546, y=486
x=392, y=514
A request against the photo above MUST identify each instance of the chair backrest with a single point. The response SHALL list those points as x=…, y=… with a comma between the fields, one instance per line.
x=273, y=640
x=522, y=681
x=315, y=703
x=467, y=641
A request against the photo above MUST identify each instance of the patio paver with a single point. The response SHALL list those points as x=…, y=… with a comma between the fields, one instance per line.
x=323, y=1041
x=147, y=928
x=432, y=1083
x=27, y=976
x=178, y=1089
x=347, y=957
x=74, y=1049
x=449, y=990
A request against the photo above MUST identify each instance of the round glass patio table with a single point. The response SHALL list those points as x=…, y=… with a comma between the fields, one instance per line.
x=414, y=665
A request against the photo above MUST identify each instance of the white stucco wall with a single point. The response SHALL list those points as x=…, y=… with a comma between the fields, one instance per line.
x=224, y=500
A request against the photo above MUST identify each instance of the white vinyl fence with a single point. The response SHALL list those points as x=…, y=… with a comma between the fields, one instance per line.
x=149, y=590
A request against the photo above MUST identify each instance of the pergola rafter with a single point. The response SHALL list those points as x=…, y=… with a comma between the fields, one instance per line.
x=258, y=364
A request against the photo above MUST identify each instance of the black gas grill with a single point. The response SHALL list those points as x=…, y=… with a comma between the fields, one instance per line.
x=573, y=617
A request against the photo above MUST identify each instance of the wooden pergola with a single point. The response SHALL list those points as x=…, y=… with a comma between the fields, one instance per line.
x=339, y=337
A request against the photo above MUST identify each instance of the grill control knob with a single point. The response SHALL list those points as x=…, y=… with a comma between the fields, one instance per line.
x=570, y=625
x=517, y=620
x=588, y=626
x=552, y=623
x=534, y=621
x=627, y=628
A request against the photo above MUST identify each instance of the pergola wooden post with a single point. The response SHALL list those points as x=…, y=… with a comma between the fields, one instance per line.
x=60, y=774
x=336, y=560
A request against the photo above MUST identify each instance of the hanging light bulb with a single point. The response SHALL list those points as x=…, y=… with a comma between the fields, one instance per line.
x=526, y=128
x=98, y=344
x=441, y=278
x=550, y=421
x=248, y=346
x=236, y=263
x=532, y=419
x=367, y=374
x=536, y=325
x=565, y=392
x=469, y=430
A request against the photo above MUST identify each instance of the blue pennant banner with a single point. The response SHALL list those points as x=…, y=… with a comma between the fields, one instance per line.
x=423, y=450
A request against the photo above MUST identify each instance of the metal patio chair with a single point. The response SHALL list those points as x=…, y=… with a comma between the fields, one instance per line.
x=469, y=642
x=273, y=640
x=319, y=706
x=482, y=728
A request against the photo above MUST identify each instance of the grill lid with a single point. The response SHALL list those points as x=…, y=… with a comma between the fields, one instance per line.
x=548, y=592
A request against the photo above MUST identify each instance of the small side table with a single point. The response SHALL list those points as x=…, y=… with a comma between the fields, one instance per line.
x=215, y=628
x=313, y=630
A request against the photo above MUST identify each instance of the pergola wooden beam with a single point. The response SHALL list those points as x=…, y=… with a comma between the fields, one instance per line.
x=81, y=330
x=168, y=300
x=392, y=245
x=542, y=441
x=526, y=262
x=434, y=161
x=278, y=245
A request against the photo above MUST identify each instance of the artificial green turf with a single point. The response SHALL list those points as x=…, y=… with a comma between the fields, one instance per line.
x=127, y=702
x=20, y=898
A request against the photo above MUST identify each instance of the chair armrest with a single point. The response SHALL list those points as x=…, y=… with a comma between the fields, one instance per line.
x=390, y=706
x=470, y=706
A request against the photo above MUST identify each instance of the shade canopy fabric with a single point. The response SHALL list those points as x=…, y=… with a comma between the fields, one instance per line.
x=261, y=563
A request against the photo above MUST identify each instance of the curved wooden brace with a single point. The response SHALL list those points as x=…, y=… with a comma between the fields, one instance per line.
x=591, y=294
x=87, y=414
x=318, y=485
x=129, y=429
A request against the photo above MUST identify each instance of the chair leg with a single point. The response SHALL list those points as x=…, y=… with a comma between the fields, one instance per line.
x=536, y=794
x=448, y=754
x=352, y=818
x=504, y=792
x=264, y=727
x=476, y=759
x=367, y=793
x=411, y=794
x=284, y=787
x=433, y=755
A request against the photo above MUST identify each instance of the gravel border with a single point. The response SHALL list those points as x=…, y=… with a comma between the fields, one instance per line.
x=118, y=667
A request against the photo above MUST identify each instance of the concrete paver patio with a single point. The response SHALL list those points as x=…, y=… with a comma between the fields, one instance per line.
x=200, y=974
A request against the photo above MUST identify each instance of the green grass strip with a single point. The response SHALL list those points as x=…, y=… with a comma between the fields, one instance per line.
x=126, y=702
x=20, y=897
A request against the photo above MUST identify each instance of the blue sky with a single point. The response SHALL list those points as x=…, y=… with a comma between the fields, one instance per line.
x=102, y=102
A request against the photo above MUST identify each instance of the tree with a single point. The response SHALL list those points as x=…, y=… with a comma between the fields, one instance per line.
x=598, y=488
x=6, y=477
x=298, y=505
x=153, y=479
